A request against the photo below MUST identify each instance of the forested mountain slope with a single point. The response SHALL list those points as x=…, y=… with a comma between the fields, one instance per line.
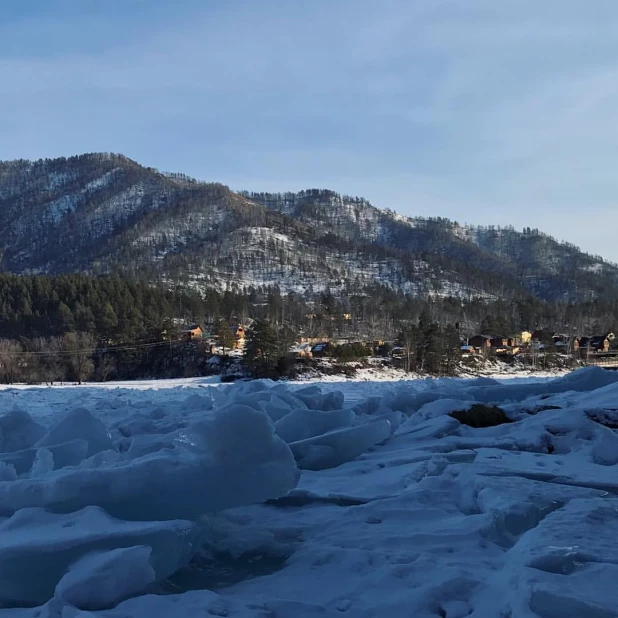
x=102, y=213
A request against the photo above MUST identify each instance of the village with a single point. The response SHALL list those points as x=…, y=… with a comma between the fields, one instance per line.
x=526, y=346
x=540, y=341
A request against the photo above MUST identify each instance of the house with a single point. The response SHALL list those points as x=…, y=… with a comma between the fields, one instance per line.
x=524, y=337
x=565, y=343
x=239, y=336
x=320, y=349
x=584, y=344
x=382, y=348
x=480, y=342
x=467, y=350
x=303, y=350
x=598, y=343
x=193, y=332
x=498, y=341
x=498, y=344
x=490, y=341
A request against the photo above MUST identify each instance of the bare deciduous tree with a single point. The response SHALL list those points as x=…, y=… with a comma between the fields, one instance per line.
x=105, y=367
x=10, y=357
x=79, y=348
x=50, y=366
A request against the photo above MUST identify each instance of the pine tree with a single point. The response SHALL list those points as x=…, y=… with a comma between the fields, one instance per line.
x=225, y=335
x=264, y=347
x=64, y=316
x=452, y=350
x=109, y=320
x=432, y=347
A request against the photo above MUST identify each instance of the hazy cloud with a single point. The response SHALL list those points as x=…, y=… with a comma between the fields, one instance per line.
x=483, y=111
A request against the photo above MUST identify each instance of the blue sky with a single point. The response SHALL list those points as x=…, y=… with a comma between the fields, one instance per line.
x=483, y=111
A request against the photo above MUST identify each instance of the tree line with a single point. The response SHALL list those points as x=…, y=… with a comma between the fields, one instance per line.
x=133, y=327
x=425, y=347
x=50, y=359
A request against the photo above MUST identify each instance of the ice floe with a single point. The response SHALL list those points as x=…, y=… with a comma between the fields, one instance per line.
x=431, y=498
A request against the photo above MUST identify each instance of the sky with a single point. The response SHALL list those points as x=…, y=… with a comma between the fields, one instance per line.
x=487, y=112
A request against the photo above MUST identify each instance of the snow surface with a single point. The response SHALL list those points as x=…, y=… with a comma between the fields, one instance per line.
x=171, y=499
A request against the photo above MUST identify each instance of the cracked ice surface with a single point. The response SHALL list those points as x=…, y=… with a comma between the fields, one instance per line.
x=399, y=511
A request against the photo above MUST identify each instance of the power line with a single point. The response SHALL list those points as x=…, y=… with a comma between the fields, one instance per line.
x=139, y=346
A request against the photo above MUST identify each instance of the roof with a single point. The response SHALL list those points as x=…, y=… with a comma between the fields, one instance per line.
x=598, y=339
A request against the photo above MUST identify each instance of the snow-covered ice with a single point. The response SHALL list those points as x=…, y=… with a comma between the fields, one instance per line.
x=256, y=499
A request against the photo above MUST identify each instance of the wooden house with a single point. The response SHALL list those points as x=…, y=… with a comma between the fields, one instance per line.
x=193, y=332
x=598, y=343
x=490, y=341
x=566, y=343
x=467, y=350
x=302, y=350
x=239, y=335
x=498, y=344
x=504, y=346
x=480, y=342
x=499, y=341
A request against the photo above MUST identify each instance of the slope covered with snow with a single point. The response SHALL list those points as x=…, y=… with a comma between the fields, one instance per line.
x=103, y=212
x=383, y=501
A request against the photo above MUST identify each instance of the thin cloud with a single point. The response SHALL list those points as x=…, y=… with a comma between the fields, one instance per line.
x=482, y=111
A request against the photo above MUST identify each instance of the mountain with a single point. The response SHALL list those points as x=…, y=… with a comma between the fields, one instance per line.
x=101, y=213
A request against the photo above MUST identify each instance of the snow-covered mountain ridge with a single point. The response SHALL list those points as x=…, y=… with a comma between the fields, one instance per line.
x=103, y=212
